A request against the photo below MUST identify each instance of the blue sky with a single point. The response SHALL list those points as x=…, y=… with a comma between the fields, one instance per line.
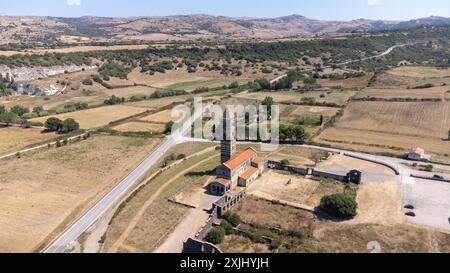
x=317, y=9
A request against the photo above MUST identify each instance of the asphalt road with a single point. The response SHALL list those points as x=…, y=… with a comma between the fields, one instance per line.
x=69, y=236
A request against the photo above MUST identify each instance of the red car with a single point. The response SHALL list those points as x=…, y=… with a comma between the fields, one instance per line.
x=410, y=214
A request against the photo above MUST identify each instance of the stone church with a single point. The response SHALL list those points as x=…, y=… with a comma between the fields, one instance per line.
x=236, y=169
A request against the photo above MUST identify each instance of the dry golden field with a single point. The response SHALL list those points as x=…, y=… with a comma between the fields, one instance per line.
x=164, y=116
x=149, y=218
x=392, y=127
x=426, y=119
x=13, y=139
x=130, y=91
x=323, y=236
x=55, y=186
x=338, y=97
x=153, y=122
x=351, y=83
x=74, y=49
x=300, y=110
x=420, y=72
x=399, y=93
x=135, y=126
x=98, y=117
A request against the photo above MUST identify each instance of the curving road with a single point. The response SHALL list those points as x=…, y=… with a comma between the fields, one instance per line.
x=83, y=223
x=385, y=53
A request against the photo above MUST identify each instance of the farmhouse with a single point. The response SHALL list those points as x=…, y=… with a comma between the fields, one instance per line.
x=417, y=154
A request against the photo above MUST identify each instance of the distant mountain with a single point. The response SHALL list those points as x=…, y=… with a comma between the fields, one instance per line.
x=185, y=27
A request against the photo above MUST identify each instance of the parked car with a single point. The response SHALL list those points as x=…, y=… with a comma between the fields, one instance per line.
x=409, y=207
x=438, y=177
x=410, y=214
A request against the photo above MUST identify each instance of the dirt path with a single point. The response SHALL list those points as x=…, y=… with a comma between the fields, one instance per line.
x=135, y=220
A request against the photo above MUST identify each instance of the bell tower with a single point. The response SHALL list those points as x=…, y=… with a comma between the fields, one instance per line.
x=228, y=141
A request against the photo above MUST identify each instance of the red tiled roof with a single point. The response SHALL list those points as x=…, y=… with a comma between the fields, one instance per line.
x=248, y=173
x=239, y=159
x=222, y=181
x=258, y=160
x=418, y=150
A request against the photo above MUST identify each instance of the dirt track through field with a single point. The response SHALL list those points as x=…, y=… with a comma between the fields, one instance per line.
x=135, y=220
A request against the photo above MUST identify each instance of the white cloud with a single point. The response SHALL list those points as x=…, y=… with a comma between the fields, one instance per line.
x=374, y=2
x=73, y=2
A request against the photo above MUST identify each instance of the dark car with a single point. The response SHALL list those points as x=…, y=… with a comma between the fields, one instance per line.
x=438, y=177
x=410, y=214
x=409, y=207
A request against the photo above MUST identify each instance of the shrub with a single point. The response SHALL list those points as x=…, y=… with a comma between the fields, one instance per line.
x=19, y=110
x=8, y=118
x=275, y=244
x=87, y=82
x=227, y=227
x=112, y=69
x=70, y=125
x=216, y=235
x=233, y=218
x=233, y=85
x=285, y=162
x=429, y=168
x=54, y=124
x=339, y=205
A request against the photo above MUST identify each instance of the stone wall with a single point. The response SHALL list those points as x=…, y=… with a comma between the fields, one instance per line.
x=278, y=166
x=197, y=246
x=310, y=171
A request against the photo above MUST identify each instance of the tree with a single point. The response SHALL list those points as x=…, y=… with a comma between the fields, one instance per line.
x=292, y=132
x=8, y=117
x=113, y=100
x=216, y=235
x=70, y=125
x=268, y=101
x=38, y=109
x=54, y=124
x=168, y=127
x=3, y=110
x=233, y=85
x=19, y=110
x=339, y=205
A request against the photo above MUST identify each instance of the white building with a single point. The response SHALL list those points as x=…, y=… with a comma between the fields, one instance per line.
x=417, y=154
